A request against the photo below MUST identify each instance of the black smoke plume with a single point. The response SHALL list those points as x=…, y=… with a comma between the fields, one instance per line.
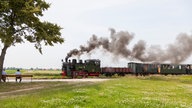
x=119, y=42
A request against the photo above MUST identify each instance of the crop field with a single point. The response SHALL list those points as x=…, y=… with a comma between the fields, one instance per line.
x=122, y=92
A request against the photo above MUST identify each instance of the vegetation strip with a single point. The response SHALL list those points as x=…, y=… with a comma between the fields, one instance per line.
x=123, y=92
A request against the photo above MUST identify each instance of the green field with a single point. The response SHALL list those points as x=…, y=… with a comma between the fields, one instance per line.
x=126, y=92
x=40, y=74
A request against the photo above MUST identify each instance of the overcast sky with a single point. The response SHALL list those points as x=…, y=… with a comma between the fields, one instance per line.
x=158, y=22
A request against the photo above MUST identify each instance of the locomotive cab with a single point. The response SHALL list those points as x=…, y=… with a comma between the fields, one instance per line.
x=92, y=67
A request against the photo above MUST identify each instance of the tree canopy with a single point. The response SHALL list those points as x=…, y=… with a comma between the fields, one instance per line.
x=20, y=22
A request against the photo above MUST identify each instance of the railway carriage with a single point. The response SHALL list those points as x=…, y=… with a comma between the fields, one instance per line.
x=156, y=68
x=120, y=71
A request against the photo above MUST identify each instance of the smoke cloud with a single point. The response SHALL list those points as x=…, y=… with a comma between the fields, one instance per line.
x=118, y=44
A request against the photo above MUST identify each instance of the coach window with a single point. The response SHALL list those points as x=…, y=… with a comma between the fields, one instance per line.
x=179, y=66
x=173, y=67
x=97, y=63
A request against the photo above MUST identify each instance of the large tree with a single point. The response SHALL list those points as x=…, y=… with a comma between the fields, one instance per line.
x=20, y=21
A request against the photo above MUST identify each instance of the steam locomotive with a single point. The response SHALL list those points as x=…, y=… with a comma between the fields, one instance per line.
x=91, y=67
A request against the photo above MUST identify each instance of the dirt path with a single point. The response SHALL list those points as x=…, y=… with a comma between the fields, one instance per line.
x=21, y=90
x=62, y=80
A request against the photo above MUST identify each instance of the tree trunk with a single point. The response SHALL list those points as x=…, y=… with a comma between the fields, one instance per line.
x=2, y=57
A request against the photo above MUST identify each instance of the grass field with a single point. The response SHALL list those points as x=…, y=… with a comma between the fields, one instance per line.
x=39, y=74
x=126, y=92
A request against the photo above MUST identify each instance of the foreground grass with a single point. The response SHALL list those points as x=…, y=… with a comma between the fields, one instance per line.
x=126, y=92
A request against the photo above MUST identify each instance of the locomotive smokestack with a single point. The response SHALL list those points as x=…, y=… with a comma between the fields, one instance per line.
x=66, y=59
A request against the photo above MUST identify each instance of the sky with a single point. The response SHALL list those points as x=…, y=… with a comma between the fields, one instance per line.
x=157, y=22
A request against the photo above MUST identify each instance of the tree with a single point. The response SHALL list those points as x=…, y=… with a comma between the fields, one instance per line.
x=20, y=21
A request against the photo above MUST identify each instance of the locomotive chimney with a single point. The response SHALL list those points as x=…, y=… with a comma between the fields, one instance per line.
x=66, y=59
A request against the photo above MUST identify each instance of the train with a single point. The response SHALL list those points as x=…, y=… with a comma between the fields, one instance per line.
x=91, y=67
